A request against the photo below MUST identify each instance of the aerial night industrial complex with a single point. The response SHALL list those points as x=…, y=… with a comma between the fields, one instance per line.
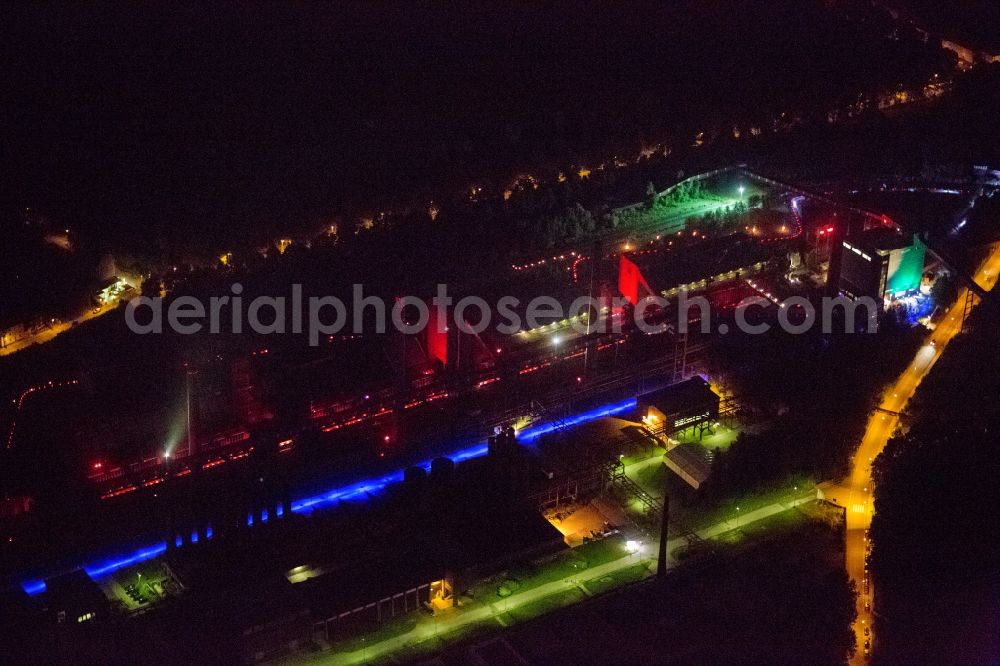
x=400, y=334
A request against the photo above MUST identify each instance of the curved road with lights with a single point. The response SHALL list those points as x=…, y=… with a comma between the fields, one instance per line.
x=855, y=492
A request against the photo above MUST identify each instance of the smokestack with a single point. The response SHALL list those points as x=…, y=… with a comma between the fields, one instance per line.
x=661, y=563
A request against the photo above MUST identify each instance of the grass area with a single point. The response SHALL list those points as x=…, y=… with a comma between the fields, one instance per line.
x=427, y=649
x=640, y=455
x=741, y=532
x=694, y=512
x=688, y=508
x=671, y=217
x=722, y=438
x=529, y=576
x=632, y=574
x=372, y=634
x=732, y=508
x=652, y=478
x=812, y=513
x=713, y=607
x=695, y=207
x=546, y=604
x=816, y=521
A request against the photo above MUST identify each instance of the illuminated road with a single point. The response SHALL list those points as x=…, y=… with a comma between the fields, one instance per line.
x=53, y=330
x=855, y=492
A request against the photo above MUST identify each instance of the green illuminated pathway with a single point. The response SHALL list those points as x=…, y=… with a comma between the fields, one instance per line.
x=460, y=618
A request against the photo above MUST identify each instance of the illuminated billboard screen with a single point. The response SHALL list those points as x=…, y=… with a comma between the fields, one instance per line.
x=906, y=268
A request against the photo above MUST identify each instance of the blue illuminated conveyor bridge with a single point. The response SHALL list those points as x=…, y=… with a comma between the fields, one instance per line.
x=359, y=490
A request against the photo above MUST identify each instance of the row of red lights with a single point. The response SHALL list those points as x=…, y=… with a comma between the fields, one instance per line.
x=543, y=262
x=354, y=420
x=796, y=234
x=431, y=398
x=210, y=464
x=579, y=258
x=285, y=445
x=24, y=395
x=487, y=381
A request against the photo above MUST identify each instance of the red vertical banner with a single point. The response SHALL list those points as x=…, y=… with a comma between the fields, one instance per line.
x=437, y=334
x=629, y=280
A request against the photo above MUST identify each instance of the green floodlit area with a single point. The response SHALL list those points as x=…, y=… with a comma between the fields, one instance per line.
x=141, y=586
x=715, y=616
x=674, y=209
x=611, y=534
x=529, y=592
x=718, y=437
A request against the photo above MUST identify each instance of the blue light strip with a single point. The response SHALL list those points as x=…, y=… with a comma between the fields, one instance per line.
x=360, y=490
x=533, y=433
x=101, y=569
x=374, y=487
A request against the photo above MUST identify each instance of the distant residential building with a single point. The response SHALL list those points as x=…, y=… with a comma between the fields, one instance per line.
x=964, y=54
x=111, y=289
x=972, y=55
x=13, y=334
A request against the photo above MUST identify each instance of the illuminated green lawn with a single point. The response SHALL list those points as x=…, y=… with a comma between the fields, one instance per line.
x=722, y=438
x=568, y=563
x=633, y=574
x=733, y=508
x=396, y=626
x=487, y=612
x=546, y=604
x=690, y=510
x=671, y=219
x=745, y=536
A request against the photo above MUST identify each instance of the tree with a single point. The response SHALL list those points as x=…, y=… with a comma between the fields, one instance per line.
x=580, y=221
x=945, y=291
x=933, y=556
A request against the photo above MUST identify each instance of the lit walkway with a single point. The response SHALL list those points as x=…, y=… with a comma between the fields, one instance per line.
x=428, y=628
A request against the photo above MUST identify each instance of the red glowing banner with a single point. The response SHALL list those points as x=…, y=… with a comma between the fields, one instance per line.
x=629, y=280
x=437, y=335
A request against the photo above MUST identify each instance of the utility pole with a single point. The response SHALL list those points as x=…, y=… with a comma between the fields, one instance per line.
x=661, y=562
x=188, y=400
x=595, y=256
